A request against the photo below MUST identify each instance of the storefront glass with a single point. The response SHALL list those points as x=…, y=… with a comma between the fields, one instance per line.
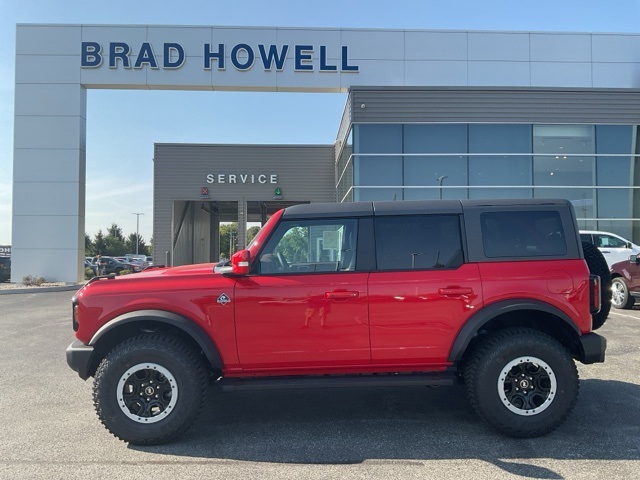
x=591, y=165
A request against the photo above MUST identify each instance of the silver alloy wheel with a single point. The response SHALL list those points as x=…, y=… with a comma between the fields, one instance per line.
x=147, y=393
x=618, y=294
x=527, y=386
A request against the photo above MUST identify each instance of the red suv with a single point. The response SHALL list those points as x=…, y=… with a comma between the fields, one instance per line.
x=625, y=282
x=496, y=294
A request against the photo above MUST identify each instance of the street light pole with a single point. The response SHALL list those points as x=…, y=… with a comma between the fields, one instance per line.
x=440, y=180
x=137, y=230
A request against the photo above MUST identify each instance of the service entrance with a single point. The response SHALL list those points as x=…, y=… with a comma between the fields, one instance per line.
x=196, y=227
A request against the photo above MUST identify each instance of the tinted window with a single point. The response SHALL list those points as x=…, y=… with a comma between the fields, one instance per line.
x=418, y=242
x=310, y=246
x=586, y=237
x=522, y=234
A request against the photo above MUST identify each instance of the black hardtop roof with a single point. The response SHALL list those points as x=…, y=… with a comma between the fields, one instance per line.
x=407, y=207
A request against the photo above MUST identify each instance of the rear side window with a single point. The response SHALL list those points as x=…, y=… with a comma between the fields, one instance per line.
x=522, y=234
x=412, y=242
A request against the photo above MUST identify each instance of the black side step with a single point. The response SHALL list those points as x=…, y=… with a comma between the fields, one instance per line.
x=339, y=381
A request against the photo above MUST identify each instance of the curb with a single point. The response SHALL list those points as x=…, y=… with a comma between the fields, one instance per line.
x=62, y=288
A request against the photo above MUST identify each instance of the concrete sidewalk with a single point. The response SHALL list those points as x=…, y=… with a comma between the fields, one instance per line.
x=11, y=288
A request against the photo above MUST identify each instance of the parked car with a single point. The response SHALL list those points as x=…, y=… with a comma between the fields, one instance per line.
x=89, y=264
x=614, y=247
x=5, y=269
x=625, y=282
x=113, y=265
x=137, y=261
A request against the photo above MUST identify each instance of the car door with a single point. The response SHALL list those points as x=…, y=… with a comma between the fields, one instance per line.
x=421, y=292
x=304, y=305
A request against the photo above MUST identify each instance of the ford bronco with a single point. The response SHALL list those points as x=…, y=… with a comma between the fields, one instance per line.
x=498, y=294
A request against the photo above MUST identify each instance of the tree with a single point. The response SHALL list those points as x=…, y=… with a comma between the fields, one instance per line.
x=115, y=231
x=252, y=232
x=294, y=245
x=114, y=241
x=99, y=244
x=130, y=244
x=89, y=248
x=227, y=231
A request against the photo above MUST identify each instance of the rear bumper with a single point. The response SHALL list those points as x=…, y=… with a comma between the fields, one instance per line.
x=79, y=358
x=592, y=348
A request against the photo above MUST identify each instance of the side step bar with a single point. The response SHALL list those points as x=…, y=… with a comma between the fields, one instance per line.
x=339, y=381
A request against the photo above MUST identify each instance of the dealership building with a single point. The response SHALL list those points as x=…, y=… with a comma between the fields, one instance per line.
x=429, y=115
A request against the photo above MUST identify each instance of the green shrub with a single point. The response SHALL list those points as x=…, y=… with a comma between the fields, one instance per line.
x=33, y=280
x=89, y=273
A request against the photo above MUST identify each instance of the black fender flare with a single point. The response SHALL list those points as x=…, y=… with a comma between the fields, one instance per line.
x=189, y=327
x=484, y=316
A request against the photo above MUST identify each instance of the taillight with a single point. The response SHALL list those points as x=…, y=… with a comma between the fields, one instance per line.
x=595, y=294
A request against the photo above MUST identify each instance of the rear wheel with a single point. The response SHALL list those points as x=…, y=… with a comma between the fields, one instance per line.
x=521, y=382
x=149, y=389
x=598, y=266
x=620, y=297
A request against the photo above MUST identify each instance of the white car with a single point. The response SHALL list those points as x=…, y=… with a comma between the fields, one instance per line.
x=614, y=247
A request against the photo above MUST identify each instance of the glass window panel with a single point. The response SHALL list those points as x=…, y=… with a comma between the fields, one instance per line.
x=378, y=170
x=418, y=242
x=499, y=170
x=435, y=170
x=614, y=171
x=564, y=157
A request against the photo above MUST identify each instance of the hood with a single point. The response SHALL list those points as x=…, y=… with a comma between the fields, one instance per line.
x=156, y=279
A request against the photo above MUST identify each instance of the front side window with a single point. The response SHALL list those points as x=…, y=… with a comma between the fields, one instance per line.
x=608, y=241
x=310, y=246
x=416, y=242
x=522, y=234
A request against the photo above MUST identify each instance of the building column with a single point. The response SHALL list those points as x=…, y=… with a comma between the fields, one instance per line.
x=49, y=159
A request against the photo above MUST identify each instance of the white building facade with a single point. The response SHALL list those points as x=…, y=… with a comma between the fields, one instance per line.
x=430, y=114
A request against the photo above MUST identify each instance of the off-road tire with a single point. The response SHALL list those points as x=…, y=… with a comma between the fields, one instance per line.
x=490, y=388
x=598, y=266
x=157, y=365
x=621, y=298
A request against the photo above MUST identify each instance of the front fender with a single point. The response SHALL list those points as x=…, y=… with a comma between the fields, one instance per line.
x=186, y=325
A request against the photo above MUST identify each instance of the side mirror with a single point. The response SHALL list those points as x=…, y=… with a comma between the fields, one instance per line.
x=633, y=258
x=240, y=262
x=628, y=245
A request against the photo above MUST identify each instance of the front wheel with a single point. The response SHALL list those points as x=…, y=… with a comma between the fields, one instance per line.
x=620, y=297
x=149, y=389
x=522, y=382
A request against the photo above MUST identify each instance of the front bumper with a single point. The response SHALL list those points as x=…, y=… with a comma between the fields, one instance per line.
x=79, y=358
x=592, y=348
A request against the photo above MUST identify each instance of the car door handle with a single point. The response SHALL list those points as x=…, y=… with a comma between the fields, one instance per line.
x=455, y=291
x=341, y=295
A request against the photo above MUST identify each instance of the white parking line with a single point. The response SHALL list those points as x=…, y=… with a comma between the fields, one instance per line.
x=624, y=315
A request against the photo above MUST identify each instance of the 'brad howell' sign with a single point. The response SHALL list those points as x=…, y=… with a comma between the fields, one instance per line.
x=242, y=56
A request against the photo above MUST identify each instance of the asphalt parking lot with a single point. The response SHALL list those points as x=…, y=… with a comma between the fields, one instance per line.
x=50, y=430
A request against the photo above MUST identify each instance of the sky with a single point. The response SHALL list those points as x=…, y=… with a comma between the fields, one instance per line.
x=122, y=126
